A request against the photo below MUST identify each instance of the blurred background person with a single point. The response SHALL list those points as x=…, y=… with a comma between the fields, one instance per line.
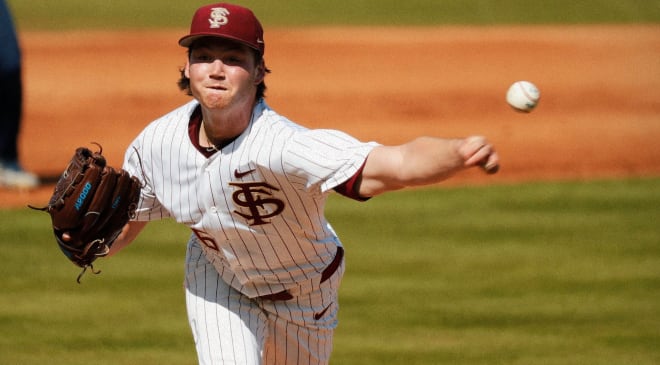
x=12, y=174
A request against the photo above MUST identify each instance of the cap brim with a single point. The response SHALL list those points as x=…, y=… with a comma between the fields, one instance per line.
x=188, y=40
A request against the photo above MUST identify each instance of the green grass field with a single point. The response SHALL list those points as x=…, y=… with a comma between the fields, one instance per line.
x=75, y=14
x=543, y=273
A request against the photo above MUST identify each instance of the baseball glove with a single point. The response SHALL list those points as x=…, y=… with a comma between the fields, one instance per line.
x=89, y=207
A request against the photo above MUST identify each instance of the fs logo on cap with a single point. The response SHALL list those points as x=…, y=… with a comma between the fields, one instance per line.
x=228, y=21
x=218, y=17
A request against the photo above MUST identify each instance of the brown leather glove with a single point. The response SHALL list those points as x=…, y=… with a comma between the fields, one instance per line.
x=91, y=204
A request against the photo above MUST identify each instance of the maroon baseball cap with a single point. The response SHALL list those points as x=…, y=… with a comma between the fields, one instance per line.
x=226, y=21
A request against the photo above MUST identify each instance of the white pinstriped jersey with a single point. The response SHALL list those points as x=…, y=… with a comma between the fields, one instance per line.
x=256, y=206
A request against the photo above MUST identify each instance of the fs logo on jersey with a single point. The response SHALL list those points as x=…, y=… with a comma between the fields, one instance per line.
x=257, y=198
x=218, y=17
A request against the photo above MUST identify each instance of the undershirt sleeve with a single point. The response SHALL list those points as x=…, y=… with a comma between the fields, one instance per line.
x=350, y=188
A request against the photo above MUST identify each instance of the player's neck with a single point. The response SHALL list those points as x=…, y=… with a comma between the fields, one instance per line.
x=220, y=129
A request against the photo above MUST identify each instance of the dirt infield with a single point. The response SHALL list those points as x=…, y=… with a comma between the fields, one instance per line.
x=599, y=115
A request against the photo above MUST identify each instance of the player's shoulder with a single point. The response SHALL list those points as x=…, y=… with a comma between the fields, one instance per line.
x=174, y=123
x=270, y=120
x=181, y=114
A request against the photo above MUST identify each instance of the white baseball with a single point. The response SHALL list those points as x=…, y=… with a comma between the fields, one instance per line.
x=523, y=96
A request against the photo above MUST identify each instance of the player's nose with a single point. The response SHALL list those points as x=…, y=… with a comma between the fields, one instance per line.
x=217, y=67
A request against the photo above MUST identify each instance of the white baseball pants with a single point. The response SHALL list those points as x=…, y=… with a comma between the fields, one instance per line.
x=231, y=328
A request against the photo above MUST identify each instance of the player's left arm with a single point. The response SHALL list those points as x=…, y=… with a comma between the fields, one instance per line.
x=423, y=161
x=127, y=235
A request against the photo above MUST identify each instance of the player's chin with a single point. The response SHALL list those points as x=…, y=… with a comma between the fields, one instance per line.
x=214, y=100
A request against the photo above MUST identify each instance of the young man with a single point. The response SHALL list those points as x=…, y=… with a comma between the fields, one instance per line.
x=263, y=265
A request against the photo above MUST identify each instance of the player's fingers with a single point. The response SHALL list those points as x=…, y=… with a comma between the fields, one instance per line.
x=491, y=165
x=477, y=151
x=474, y=150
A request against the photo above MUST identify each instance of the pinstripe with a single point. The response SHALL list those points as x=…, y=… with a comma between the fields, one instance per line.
x=231, y=261
x=295, y=338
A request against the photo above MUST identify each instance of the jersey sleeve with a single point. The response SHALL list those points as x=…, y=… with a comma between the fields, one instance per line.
x=149, y=208
x=325, y=159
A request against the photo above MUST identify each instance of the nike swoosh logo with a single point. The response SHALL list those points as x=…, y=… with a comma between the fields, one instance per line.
x=318, y=315
x=239, y=175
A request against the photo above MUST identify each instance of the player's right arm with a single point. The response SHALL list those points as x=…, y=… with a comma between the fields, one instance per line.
x=423, y=161
x=127, y=235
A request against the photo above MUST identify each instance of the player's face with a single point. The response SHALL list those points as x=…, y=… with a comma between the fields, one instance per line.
x=223, y=74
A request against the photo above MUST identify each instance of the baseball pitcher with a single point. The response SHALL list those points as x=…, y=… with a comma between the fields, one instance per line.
x=263, y=264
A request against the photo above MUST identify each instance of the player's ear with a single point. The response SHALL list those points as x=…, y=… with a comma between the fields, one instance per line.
x=186, y=69
x=260, y=73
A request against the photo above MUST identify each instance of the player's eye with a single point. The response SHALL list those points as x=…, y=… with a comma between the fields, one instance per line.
x=202, y=57
x=232, y=60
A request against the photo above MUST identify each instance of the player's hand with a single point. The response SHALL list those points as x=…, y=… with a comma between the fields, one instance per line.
x=478, y=151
